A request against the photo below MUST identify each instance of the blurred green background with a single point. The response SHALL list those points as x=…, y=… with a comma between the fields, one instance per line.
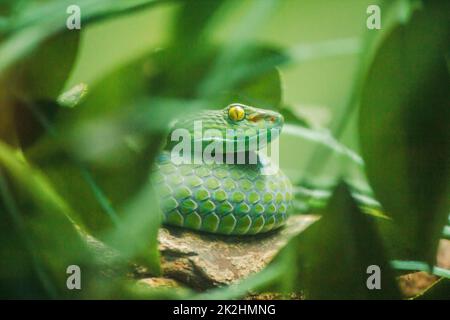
x=83, y=114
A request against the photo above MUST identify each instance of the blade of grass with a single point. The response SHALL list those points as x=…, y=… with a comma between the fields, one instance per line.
x=406, y=265
x=15, y=216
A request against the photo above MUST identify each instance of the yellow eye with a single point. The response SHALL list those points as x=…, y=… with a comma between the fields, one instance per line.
x=236, y=113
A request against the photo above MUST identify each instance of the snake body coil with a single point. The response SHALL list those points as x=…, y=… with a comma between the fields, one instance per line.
x=220, y=197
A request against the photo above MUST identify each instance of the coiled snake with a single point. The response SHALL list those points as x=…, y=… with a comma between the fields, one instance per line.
x=218, y=196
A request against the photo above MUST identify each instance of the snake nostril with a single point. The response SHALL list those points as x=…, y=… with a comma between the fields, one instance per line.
x=271, y=118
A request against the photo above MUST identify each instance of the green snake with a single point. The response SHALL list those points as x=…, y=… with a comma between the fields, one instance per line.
x=233, y=197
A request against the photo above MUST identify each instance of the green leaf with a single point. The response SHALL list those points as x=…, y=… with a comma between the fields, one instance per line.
x=191, y=21
x=420, y=266
x=177, y=74
x=446, y=233
x=405, y=136
x=308, y=141
x=28, y=31
x=291, y=117
x=334, y=253
x=43, y=73
x=73, y=96
x=34, y=82
x=136, y=235
x=394, y=12
x=38, y=234
x=104, y=147
x=234, y=63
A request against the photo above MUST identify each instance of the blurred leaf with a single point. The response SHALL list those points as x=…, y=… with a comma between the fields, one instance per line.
x=73, y=96
x=104, y=173
x=446, y=233
x=34, y=183
x=33, y=119
x=408, y=265
x=103, y=147
x=348, y=244
x=394, y=12
x=34, y=82
x=174, y=75
x=43, y=73
x=47, y=241
x=29, y=30
x=92, y=10
x=136, y=235
x=190, y=23
x=292, y=118
x=309, y=140
x=404, y=119
x=106, y=147
x=233, y=62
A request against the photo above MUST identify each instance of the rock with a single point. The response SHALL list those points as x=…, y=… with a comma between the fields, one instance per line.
x=202, y=261
x=412, y=284
x=160, y=282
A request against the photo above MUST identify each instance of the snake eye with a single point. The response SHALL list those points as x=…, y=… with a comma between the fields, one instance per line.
x=236, y=113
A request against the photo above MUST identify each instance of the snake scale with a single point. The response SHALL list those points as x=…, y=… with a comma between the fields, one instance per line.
x=221, y=197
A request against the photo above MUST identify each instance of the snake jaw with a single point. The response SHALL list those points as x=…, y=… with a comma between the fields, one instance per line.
x=271, y=118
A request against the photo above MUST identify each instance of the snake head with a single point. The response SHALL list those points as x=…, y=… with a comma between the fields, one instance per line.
x=249, y=128
x=240, y=116
x=257, y=126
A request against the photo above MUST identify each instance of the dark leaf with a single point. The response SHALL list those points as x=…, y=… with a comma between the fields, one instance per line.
x=175, y=75
x=405, y=136
x=333, y=255
x=440, y=290
x=38, y=227
x=33, y=83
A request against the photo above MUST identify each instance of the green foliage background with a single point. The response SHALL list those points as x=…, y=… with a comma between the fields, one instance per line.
x=358, y=103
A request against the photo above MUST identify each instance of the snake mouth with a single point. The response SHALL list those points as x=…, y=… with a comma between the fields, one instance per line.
x=240, y=142
x=270, y=118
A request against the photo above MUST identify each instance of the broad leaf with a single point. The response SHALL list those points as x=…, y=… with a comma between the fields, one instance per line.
x=38, y=227
x=335, y=253
x=405, y=136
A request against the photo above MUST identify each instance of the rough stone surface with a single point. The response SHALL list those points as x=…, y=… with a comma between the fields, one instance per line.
x=203, y=260
x=158, y=282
